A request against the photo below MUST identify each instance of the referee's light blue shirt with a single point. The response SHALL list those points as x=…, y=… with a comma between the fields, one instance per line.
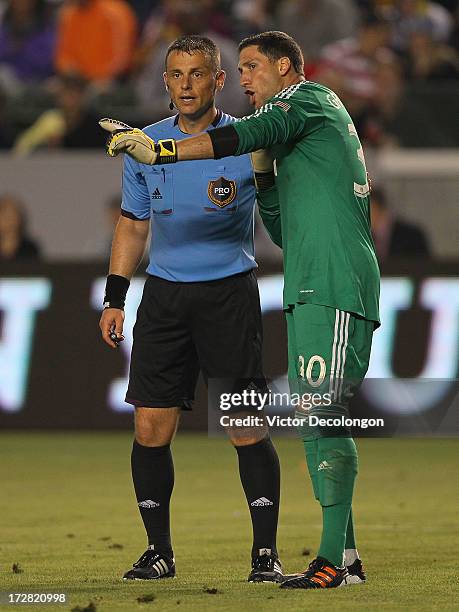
x=202, y=212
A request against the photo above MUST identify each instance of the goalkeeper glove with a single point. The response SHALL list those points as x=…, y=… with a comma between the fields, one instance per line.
x=263, y=169
x=125, y=139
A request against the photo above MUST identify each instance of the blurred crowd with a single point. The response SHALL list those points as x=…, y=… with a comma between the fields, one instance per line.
x=64, y=63
x=394, y=236
x=15, y=242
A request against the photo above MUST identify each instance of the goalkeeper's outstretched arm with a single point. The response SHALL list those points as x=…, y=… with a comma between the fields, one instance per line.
x=259, y=131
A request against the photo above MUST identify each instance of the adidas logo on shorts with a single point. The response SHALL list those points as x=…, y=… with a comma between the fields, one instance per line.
x=148, y=503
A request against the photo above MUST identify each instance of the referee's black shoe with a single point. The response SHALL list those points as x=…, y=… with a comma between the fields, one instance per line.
x=152, y=565
x=266, y=567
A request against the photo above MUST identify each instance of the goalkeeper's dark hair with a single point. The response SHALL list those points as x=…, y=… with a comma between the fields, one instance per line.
x=275, y=45
x=197, y=44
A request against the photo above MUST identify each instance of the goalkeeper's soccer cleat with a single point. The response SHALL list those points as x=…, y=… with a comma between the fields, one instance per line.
x=266, y=567
x=356, y=573
x=151, y=566
x=321, y=574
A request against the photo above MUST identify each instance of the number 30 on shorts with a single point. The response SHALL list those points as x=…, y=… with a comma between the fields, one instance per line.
x=311, y=363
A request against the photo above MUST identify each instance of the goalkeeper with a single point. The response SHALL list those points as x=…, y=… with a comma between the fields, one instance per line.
x=317, y=209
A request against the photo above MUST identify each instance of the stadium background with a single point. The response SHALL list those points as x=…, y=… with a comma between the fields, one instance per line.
x=398, y=74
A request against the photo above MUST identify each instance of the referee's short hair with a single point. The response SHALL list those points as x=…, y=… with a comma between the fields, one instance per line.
x=197, y=44
x=275, y=45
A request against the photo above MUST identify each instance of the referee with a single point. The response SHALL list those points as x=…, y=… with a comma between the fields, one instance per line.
x=200, y=308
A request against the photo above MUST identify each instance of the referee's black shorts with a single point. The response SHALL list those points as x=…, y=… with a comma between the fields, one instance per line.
x=181, y=328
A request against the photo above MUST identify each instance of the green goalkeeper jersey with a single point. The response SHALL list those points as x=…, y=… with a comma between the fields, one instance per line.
x=319, y=209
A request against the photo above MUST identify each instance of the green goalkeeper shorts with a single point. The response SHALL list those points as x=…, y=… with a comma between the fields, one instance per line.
x=328, y=356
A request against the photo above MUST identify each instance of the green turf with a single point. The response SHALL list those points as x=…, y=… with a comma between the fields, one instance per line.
x=69, y=519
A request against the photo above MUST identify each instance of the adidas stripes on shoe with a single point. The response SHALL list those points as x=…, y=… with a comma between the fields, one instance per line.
x=152, y=565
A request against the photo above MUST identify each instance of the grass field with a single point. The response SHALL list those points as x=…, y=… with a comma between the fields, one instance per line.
x=69, y=520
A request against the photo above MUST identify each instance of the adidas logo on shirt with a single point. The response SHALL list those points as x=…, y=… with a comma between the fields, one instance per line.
x=148, y=503
x=262, y=501
x=156, y=195
x=324, y=466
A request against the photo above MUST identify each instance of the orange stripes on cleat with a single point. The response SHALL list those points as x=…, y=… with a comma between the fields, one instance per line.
x=318, y=581
x=321, y=574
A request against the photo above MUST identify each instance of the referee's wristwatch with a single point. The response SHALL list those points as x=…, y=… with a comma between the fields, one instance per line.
x=106, y=305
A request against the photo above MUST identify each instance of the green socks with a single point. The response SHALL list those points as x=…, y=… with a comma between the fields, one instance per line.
x=350, y=538
x=332, y=465
x=335, y=520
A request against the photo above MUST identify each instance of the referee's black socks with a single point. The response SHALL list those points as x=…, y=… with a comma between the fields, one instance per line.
x=153, y=477
x=260, y=477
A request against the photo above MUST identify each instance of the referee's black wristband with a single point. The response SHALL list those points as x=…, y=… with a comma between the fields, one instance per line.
x=115, y=291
